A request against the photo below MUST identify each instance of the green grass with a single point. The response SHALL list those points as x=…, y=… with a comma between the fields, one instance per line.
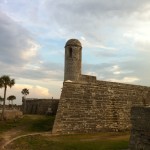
x=7, y=125
x=101, y=141
x=38, y=123
x=29, y=123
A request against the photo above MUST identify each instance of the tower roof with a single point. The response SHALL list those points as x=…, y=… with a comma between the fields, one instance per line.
x=73, y=42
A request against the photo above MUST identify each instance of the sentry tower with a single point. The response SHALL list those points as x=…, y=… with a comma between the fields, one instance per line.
x=73, y=56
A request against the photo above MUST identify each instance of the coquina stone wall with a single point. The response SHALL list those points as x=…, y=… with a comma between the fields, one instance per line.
x=40, y=106
x=97, y=106
x=140, y=133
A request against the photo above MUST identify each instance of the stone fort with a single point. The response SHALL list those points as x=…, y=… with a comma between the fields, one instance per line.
x=39, y=106
x=90, y=105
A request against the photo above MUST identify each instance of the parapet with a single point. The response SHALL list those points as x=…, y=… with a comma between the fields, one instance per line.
x=88, y=78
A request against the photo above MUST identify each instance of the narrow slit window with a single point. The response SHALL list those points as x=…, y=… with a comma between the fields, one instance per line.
x=70, y=52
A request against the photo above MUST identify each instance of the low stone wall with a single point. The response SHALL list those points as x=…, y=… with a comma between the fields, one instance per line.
x=140, y=132
x=12, y=114
x=99, y=106
x=40, y=106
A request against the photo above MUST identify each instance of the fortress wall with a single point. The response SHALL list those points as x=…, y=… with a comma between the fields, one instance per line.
x=99, y=106
x=40, y=106
x=140, y=132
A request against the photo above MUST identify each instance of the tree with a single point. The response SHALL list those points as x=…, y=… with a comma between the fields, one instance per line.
x=8, y=101
x=5, y=81
x=11, y=98
x=25, y=92
x=1, y=100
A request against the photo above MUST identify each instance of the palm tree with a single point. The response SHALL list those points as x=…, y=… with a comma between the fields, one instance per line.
x=5, y=81
x=25, y=92
x=1, y=100
x=8, y=101
x=11, y=98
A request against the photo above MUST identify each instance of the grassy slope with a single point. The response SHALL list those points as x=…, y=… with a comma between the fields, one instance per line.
x=36, y=123
x=101, y=141
x=29, y=123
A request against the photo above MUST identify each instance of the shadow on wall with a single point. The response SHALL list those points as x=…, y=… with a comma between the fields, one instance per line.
x=140, y=132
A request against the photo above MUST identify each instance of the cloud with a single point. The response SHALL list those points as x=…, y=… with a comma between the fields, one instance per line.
x=103, y=71
x=114, y=36
x=53, y=87
x=125, y=80
x=95, y=19
x=115, y=69
x=17, y=45
x=34, y=92
x=19, y=54
x=113, y=72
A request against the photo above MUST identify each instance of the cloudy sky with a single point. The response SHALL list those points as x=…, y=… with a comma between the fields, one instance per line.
x=115, y=36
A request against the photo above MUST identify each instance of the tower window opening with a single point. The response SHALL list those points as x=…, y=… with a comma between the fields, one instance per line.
x=70, y=52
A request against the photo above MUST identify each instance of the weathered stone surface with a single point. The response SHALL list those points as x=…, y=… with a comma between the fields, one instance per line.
x=40, y=106
x=98, y=106
x=73, y=42
x=140, y=132
x=87, y=78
